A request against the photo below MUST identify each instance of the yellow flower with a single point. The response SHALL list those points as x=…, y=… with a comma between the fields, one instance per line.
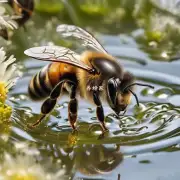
x=3, y=92
x=5, y=124
x=5, y=113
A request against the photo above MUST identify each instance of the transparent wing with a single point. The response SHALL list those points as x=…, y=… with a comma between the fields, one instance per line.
x=79, y=33
x=57, y=54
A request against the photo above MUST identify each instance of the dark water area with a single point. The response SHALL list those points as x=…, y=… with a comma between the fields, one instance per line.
x=142, y=144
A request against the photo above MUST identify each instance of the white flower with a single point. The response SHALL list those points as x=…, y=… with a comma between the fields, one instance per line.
x=160, y=22
x=8, y=69
x=7, y=21
x=8, y=73
x=173, y=6
x=25, y=167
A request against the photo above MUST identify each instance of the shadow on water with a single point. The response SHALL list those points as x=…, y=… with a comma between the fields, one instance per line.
x=144, y=142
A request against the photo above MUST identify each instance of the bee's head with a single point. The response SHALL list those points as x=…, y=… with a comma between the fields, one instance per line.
x=121, y=91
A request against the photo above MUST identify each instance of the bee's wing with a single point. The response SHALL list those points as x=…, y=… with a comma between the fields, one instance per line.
x=79, y=33
x=57, y=54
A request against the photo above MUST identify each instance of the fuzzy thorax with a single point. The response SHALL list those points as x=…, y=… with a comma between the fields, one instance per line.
x=84, y=77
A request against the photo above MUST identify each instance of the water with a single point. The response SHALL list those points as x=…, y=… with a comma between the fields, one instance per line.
x=143, y=144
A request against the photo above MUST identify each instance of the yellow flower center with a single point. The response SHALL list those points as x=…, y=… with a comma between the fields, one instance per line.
x=23, y=177
x=3, y=92
x=5, y=113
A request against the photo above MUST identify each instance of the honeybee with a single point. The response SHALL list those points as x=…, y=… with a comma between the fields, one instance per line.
x=93, y=75
x=23, y=8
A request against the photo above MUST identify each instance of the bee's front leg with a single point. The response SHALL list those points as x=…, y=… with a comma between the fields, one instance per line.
x=99, y=110
x=73, y=107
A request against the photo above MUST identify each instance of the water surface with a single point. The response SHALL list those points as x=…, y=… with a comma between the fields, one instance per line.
x=144, y=143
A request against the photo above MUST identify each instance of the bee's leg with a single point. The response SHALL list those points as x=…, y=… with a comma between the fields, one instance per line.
x=49, y=104
x=99, y=110
x=72, y=107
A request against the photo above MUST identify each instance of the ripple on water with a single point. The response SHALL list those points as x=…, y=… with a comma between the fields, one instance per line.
x=156, y=120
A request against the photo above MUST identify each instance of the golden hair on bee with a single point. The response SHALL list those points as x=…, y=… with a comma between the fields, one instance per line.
x=83, y=76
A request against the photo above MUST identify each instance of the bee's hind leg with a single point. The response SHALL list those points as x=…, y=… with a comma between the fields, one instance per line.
x=49, y=104
x=73, y=106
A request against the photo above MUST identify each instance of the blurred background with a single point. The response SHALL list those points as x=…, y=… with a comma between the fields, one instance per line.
x=144, y=36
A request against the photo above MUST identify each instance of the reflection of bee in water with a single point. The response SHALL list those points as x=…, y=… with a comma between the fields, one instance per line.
x=23, y=8
x=89, y=160
x=99, y=160
x=95, y=76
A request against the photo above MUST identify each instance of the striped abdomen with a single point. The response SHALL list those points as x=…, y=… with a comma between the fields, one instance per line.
x=40, y=86
x=44, y=81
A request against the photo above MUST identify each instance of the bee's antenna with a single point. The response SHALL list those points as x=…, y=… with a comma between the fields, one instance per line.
x=139, y=84
x=137, y=101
